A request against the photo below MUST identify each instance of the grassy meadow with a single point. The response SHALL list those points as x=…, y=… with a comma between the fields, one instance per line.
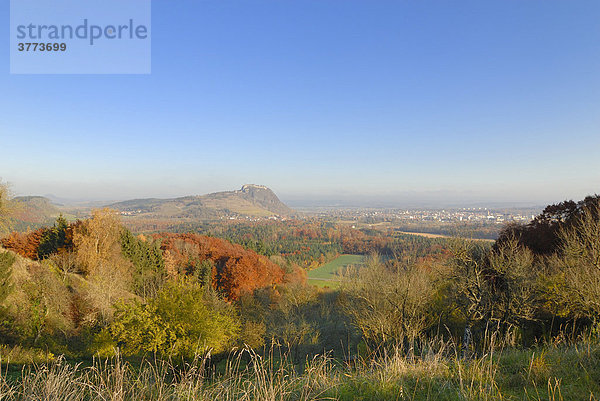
x=434, y=372
x=328, y=275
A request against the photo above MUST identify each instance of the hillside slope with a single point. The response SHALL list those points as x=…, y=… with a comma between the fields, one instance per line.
x=250, y=200
x=31, y=212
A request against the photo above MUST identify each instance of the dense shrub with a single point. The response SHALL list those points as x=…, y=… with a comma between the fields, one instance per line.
x=237, y=270
x=148, y=264
x=24, y=244
x=183, y=319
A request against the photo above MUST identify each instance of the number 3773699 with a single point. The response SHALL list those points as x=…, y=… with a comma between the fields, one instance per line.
x=42, y=47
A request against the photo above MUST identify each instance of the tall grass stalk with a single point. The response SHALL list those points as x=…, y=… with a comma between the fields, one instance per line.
x=437, y=372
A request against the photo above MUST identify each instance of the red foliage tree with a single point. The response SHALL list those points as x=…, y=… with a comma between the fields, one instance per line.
x=25, y=244
x=237, y=270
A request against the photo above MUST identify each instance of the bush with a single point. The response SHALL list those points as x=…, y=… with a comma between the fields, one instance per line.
x=390, y=303
x=574, y=288
x=182, y=320
x=6, y=261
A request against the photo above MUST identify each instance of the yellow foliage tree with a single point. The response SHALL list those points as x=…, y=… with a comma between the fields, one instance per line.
x=98, y=253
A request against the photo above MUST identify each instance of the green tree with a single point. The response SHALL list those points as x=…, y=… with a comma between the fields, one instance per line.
x=53, y=238
x=204, y=272
x=148, y=263
x=182, y=320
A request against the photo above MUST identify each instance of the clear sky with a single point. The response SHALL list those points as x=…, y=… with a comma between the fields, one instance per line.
x=474, y=100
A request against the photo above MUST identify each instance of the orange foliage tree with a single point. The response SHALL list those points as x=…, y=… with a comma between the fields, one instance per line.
x=25, y=244
x=236, y=270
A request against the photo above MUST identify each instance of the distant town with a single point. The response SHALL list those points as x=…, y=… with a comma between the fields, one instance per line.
x=454, y=215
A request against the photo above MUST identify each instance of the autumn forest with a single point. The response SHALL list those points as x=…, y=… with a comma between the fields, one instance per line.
x=90, y=289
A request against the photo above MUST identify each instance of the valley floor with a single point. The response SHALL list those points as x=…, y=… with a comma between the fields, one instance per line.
x=329, y=274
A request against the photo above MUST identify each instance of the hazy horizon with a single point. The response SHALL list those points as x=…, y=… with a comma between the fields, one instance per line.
x=343, y=199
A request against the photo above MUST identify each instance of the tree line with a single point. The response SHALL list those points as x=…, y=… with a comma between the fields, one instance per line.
x=92, y=287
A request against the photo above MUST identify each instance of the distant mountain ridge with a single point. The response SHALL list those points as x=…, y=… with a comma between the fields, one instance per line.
x=250, y=200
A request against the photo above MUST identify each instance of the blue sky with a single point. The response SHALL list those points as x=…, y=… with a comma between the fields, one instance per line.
x=321, y=99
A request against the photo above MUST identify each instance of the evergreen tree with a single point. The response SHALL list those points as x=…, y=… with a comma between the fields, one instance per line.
x=148, y=263
x=204, y=273
x=54, y=238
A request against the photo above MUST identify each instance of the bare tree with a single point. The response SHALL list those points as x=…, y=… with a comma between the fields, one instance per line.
x=469, y=290
x=389, y=303
x=578, y=276
x=514, y=282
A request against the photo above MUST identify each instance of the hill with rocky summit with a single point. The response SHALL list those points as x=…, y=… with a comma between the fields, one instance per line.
x=250, y=200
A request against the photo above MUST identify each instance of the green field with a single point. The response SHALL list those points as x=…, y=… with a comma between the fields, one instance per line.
x=328, y=274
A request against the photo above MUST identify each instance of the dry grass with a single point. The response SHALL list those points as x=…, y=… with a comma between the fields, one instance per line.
x=247, y=376
x=436, y=373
